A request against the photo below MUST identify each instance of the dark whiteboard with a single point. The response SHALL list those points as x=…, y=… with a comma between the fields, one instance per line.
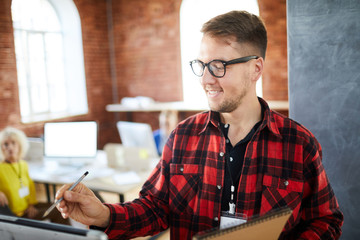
x=324, y=91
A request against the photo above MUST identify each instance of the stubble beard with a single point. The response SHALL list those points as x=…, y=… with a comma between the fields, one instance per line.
x=228, y=105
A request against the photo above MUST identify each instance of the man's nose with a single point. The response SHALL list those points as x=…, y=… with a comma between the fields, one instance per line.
x=207, y=78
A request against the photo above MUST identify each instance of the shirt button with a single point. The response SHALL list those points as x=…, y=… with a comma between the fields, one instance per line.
x=219, y=187
x=181, y=169
x=231, y=159
x=226, y=125
x=221, y=154
x=216, y=219
x=227, y=140
x=286, y=183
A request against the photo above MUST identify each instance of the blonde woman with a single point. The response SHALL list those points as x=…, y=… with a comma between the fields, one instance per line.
x=17, y=190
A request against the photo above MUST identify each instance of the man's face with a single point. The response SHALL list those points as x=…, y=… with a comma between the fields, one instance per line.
x=227, y=93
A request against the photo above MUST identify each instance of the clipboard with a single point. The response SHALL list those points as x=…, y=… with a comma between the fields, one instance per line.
x=268, y=226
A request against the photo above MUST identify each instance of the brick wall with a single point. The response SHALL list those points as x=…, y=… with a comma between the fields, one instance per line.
x=9, y=103
x=97, y=66
x=147, y=54
x=146, y=35
x=275, y=85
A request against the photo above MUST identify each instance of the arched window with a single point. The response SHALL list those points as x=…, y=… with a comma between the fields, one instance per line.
x=193, y=14
x=49, y=59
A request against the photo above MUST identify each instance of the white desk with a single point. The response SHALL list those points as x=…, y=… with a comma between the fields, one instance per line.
x=180, y=106
x=100, y=177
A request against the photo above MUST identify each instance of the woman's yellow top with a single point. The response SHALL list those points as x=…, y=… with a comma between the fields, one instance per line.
x=14, y=179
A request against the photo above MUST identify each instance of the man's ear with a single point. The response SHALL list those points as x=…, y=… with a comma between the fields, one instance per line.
x=258, y=68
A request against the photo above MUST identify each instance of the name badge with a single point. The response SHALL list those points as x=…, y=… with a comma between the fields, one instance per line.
x=229, y=220
x=24, y=191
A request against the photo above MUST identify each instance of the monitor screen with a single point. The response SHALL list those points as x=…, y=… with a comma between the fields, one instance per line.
x=70, y=139
x=135, y=134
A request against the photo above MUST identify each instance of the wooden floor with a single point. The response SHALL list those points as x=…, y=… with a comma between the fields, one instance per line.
x=109, y=198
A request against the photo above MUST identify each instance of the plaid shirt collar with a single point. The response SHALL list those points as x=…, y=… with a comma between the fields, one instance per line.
x=268, y=120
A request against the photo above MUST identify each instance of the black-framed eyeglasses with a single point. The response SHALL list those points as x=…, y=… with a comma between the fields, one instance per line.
x=216, y=67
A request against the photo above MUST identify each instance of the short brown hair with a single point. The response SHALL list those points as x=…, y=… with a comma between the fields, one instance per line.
x=244, y=26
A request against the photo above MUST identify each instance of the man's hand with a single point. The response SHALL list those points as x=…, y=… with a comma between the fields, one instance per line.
x=83, y=206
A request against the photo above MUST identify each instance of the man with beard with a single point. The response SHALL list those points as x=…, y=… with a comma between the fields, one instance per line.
x=238, y=158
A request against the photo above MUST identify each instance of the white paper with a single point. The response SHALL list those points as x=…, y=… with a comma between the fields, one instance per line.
x=226, y=222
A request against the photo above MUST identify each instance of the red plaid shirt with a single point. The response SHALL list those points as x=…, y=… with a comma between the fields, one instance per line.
x=282, y=167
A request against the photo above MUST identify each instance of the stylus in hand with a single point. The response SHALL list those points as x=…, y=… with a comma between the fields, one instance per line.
x=60, y=199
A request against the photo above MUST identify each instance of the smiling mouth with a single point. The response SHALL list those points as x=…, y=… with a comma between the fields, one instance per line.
x=213, y=93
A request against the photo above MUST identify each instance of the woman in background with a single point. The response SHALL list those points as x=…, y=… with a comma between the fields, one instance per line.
x=17, y=190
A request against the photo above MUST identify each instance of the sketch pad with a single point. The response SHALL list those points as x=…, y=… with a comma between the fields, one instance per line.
x=16, y=228
x=267, y=227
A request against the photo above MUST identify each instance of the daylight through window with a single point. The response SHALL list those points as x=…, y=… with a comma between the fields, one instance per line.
x=42, y=40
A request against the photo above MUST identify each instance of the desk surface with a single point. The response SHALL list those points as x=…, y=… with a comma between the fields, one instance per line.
x=180, y=106
x=100, y=177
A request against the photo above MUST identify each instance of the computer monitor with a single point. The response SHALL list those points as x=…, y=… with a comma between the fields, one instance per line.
x=15, y=228
x=70, y=139
x=140, y=135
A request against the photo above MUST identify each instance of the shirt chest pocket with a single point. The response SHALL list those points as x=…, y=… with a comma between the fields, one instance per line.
x=183, y=187
x=280, y=192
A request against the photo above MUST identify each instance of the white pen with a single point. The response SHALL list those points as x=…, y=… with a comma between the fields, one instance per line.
x=60, y=199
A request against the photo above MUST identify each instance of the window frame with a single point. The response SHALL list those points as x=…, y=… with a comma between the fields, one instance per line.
x=74, y=85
